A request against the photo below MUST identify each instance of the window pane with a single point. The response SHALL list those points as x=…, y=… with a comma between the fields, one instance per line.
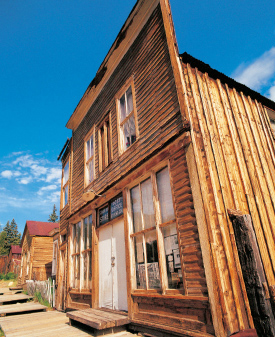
x=66, y=174
x=129, y=98
x=77, y=270
x=129, y=131
x=78, y=228
x=135, y=199
x=173, y=265
x=152, y=260
x=147, y=204
x=165, y=195
x=90, y=147
x=85, y=233
x=90, y=231
x=66, y=193
x=85, y=266
x=90, y=168
x=122, y=104
x=140, y=266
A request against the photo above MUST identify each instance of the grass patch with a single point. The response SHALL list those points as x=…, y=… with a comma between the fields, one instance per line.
x=9, y=276
x=38, y=298
x=1, y=332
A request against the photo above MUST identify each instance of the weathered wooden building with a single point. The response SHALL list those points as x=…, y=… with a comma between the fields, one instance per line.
x=168, y=160
x=37, y=251
x=14, y=260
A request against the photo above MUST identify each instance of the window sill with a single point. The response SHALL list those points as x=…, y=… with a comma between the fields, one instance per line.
x=150, y=294
x=80, y=292
x=132, y=146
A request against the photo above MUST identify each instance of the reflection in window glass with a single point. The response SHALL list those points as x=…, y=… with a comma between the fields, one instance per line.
x=129, y=132
x=147, y=204
x=152, y=260
x=173, y=265
x=140, y=266
x=165, y=195
x=136, y=208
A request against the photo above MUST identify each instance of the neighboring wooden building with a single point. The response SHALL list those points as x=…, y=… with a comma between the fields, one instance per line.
x=168, y=160
x=37, y=251
x=14, y=260
x=3, y=263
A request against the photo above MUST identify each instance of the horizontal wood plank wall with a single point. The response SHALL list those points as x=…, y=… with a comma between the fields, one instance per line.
x=26, y=247
x=42, y=257
x=193, y=270
x=158, y=114
x=192, y=311
x=234, y=152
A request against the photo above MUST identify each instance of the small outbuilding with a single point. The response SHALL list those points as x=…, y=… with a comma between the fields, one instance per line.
x=37, y=251
x=14, y=260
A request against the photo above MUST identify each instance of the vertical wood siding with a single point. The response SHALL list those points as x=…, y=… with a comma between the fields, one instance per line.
x=234, y=151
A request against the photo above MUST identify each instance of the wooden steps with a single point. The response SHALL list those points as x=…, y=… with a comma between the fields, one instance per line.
x=16, y=288
x=14, y=298
x=12, y=309
x=99, y=319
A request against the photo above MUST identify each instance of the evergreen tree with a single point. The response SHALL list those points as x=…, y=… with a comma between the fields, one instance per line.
x=13, y=236
x=3, y=237
x=53, y=217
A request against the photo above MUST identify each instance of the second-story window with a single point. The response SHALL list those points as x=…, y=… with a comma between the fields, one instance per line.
x=127, y=118
x=104, y=144
x=65, y=183
x=89, y=160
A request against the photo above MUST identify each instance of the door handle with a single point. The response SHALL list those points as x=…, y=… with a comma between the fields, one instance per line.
x=113, y=261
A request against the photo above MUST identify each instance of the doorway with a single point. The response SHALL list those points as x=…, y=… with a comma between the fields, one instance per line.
x=112, y=267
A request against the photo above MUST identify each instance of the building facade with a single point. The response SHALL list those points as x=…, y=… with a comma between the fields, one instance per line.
x=167, y=158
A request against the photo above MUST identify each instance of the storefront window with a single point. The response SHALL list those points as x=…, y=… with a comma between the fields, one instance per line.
x=151, y=200
x=81, y=254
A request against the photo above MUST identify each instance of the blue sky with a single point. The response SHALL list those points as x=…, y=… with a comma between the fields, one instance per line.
x=50, y=52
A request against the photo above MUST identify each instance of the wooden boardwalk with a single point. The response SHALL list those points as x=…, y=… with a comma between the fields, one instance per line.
x=14, y=298
x=45, y=324
x=12, y=309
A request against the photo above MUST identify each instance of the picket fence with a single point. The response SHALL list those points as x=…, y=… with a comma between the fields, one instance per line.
x=46, y=289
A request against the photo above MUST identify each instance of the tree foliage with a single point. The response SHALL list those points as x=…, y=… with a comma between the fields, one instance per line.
x=9, y=236
x=53, y=217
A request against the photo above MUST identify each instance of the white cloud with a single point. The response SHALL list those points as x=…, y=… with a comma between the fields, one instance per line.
x=46, y=189
x=54, y=174
x=25, y=181
x=259, y=73
x=7, y=174
x=272, y=93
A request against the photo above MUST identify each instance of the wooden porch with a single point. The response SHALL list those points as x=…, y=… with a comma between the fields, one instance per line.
x=50, y=323
x=102, y=321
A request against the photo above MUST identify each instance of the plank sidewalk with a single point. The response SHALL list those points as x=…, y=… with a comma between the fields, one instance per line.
x=45, y=324
x=12, y=309
x=14, y=298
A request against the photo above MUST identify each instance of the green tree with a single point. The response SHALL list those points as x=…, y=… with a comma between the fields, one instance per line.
x=13, y=236
x=3, y=237
x=53, y=217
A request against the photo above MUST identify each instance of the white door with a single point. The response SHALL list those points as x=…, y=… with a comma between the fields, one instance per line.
x=112, y=267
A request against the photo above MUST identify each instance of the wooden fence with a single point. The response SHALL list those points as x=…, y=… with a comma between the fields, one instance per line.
x=46, y=289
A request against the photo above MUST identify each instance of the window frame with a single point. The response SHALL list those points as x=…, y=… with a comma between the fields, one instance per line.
x=82, y=284
x=121, y=146
x=65, y=185
x=105, y=153
x=91, y=134
x=159, y=226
